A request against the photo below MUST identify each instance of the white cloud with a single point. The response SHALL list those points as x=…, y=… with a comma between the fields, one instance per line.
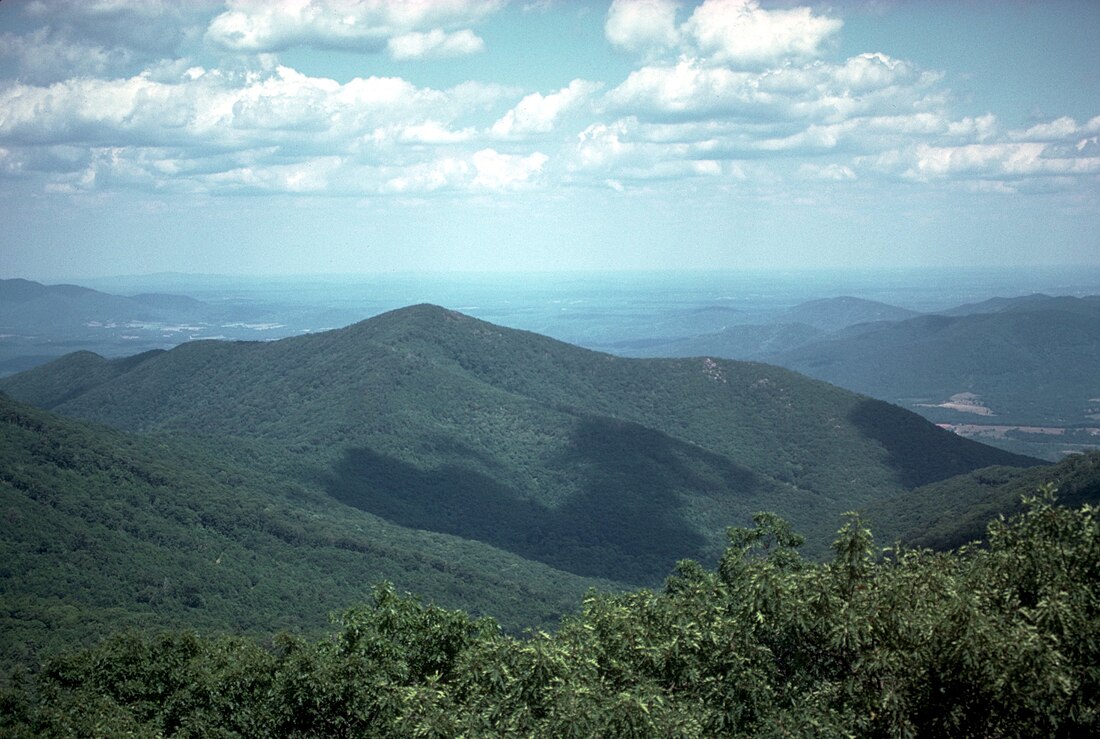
x=447, y=173
x=261, y=131
x=1001, y=160
x=368, y=25
x=538, y=113
x=496, y=171
x=435, y=44
x=642, y=25
x=741, y=33
x=43, y=56
x=433, y=133
x=1061, y=129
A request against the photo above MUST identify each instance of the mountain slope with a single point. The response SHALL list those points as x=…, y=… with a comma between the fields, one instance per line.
x=1030, y=362
x=595, y=464
x=105, y=529
x=746, y=341
x=953, y=512
x=833, y=314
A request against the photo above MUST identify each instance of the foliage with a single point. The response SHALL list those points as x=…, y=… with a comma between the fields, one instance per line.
x=101, y=530
x=953, y=512
x=593, y=464
x=995, y=641
x=1031, y=360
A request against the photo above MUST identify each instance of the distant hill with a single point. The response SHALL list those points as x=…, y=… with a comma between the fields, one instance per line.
x=105, y=530
x=748, y=341
x=1087, y=305
x=1031, y=360
x=781, y=332
x=832, y=314
x=27, y=305
x=593, y=464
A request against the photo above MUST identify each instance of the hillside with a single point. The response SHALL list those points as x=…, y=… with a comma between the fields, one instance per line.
x=105, y=530
x=999, y=641
x=747, y=341
x=833, y=314
x=594, y=464
x=953, y=512
x=1028, y=361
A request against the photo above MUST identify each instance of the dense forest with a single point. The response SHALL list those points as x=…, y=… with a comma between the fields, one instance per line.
x=180, y=523
x=1001, y=640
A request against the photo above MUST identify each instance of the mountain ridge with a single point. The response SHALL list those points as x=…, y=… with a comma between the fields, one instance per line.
x=391, y=413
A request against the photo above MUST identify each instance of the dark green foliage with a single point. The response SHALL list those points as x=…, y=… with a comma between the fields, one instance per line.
x=953, y=512
x=101, y=530
x=996, y=641
x=1031, y=360
x=594, y=464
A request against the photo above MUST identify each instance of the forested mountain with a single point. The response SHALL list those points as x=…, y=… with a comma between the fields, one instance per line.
x=997, y=641
x=254, y=487
x=833, y=314
x=594, y=464
x=27, y=305
x=746, y=341
x=950, y=513
x=1028, y=361
x=105, y=530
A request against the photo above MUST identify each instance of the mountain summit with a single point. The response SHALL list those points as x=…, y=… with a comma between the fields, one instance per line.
x=594, y=464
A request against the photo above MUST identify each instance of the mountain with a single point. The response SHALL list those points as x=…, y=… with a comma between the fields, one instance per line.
x=833, y=314
x=31, y=306
x=950, y=513
x=1029, y=361
x=748, y=341
x=760, y=337
x=1086, y=305
x=105, y=530
x=594, y=464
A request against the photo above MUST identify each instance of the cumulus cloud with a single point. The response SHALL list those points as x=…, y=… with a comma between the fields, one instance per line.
x=99, y=37
x=256, y=131
x=417, y=27
x=1001, y=160
x=496, y=171
x=538, y=113
x=741, y=33
x=427, y=177
x=642, y=25
x=44, y=56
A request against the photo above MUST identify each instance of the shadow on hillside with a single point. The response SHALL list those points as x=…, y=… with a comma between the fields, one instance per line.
x=918, y=451
x=627, y=523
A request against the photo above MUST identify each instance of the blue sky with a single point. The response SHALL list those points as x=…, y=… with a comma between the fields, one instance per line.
x=345, y=136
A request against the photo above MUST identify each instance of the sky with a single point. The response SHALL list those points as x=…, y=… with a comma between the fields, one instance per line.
x=284, y=137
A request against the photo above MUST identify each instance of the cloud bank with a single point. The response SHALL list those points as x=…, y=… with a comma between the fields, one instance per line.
x=158, y=97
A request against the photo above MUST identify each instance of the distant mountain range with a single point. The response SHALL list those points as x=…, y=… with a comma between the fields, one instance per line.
x=1016, y=362
x=1029, y=360
x=1013, y=372
x=42, y=322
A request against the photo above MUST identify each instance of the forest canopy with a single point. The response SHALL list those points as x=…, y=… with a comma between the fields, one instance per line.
x=995, y=640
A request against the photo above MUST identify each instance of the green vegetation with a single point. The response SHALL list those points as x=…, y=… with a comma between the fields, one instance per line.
x=996, y=641
x=947, y=514
x=589, y=463
x=103, y=530
x=1032, y=361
